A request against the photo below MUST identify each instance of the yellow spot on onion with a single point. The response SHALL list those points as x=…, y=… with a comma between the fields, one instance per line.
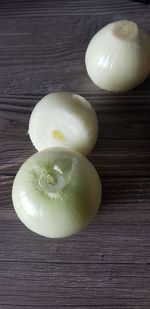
x=58, y=135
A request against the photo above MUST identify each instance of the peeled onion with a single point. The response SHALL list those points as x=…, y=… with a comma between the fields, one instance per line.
x=118, y=56
x=56, y=192
x=63, y=119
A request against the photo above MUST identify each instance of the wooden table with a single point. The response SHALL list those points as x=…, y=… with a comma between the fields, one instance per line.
x=107, y=266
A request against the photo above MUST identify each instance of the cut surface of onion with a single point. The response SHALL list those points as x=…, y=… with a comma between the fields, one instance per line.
x=56, y=192
x=63, y=119
x=117, y=57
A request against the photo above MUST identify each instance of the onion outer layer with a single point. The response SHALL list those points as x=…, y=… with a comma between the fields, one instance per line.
x=117, y=57
x=63, y=119
x=56, y=192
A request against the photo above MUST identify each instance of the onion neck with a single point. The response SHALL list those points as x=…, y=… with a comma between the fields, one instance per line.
x=51, y=183
x=126, y=30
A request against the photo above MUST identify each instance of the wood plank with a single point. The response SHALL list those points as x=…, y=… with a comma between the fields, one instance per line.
x=27, y=283
x=65, y=7
x=41, y=55
x=119, y=233
x=122, y=147
x=100, y=281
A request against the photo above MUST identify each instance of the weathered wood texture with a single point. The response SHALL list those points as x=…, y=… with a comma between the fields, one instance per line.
x=107, y=266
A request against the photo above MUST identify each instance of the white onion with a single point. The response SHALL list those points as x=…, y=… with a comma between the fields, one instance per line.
x=63, y=119
x=118, y=56
x=56, y=192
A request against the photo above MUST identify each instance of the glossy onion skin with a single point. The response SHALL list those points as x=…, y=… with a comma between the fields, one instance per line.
x=116, y=61
x=63, y=119
x=56, y=192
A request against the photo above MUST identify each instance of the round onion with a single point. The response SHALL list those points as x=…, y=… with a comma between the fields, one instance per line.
x=117, y=58
x=56, y=192
x=63, y=119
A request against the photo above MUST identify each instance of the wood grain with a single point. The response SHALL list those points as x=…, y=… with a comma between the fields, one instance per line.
x=124, y=138
x=68, y=7
x=106, y=266
x=43, y=54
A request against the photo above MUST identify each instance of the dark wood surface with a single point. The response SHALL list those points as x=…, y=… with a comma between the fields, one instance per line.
x=107, y=266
